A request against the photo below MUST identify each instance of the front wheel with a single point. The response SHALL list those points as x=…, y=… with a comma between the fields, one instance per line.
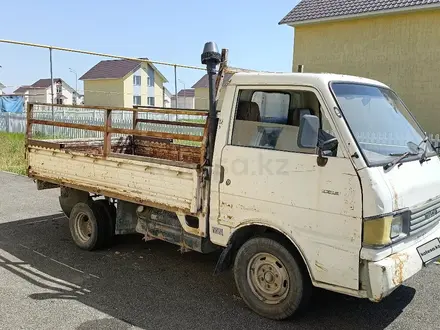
x=270, y=280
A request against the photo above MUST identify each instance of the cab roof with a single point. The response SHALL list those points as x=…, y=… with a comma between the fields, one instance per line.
x=310, y=79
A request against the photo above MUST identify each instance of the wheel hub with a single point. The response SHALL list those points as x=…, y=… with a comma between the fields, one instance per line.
x=268, y=278
x=83, y=227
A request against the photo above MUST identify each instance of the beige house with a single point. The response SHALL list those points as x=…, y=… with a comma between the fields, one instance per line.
x=124, y=83
x=201, y=92
x=41, y=92
x=394, y=41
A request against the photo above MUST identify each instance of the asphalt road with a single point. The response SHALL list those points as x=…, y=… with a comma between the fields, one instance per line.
x=48, y=283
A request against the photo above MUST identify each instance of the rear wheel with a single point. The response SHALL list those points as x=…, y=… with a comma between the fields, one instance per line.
x=270, y=279
x=88, y=226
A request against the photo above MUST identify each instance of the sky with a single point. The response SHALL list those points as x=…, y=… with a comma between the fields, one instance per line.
x=170, y=31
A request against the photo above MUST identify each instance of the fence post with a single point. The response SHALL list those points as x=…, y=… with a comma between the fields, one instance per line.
x=7, y=122
x=134, y=126
x=28, y=133
x=135, y=119
x=107, y=134
x=29, y=115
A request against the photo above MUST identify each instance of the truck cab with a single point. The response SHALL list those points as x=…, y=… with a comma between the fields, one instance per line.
x=332, y=170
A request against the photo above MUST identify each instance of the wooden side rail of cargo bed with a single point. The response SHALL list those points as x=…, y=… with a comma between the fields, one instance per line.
x=148, y=143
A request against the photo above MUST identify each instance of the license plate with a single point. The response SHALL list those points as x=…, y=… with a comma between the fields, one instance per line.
x=429, y=251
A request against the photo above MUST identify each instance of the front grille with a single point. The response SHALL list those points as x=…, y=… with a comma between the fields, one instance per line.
x=424, y=216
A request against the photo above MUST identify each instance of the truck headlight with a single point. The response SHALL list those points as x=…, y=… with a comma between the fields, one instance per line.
x=383, y=230
x=396, y=226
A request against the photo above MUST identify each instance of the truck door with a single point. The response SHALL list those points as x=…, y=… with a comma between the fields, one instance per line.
x=267, y=179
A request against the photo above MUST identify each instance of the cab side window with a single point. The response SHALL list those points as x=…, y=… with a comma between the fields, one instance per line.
x=271, y=119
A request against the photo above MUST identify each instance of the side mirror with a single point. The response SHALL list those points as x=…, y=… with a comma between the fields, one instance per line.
x=308, y=132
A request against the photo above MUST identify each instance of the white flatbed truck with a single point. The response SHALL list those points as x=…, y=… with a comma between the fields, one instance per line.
x=290, y=179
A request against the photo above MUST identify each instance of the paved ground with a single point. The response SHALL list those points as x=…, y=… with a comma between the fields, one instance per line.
x=47, y=283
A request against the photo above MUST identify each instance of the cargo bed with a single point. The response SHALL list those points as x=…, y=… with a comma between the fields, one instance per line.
x=145, y=167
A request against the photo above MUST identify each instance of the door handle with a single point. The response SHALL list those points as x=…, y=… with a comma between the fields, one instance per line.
x=222, y=174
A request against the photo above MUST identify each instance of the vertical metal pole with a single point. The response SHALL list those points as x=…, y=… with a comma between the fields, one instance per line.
x=211, y=58
x=51, y=89
x=29, y=116
x=184, y=93
x=184, y=96
x=7, y=121
x=175, y=83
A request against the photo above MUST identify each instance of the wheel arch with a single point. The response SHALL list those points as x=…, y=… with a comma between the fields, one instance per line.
x=248, y=230
x=69, y=197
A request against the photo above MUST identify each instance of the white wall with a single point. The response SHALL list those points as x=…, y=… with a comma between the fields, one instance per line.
x=183, y=102
x=80, y=100
x=66, y=91
x=44, y=95
x=35, y=95
x=167, y=101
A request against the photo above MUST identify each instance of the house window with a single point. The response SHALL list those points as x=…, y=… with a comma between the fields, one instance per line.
x=150, y=77
x=59, y=89
x=136, y=100
x=150, y=101
x=136, y=80
x=150, y=81
x=59, y=100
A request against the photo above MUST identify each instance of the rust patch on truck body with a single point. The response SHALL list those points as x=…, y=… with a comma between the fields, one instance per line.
x=399, y=262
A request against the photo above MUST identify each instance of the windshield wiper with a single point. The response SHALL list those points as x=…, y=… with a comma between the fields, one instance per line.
x=414, y=150
x=398, y=160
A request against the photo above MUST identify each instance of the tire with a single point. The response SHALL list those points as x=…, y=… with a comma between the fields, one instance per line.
x=270, y=280
x=108, y=210
x=88, y=226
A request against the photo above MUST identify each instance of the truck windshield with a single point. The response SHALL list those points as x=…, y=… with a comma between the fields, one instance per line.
x=380, y=123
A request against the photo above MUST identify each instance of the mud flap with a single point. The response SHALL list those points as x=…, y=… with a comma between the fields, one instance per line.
x=224, y=261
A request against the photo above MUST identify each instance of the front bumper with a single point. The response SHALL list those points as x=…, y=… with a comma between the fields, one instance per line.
x=386, y=275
